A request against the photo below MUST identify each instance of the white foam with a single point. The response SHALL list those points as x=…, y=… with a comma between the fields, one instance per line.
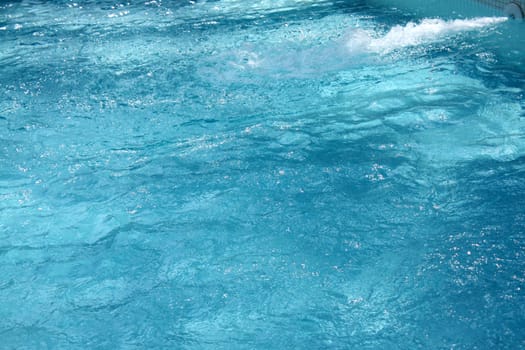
x=413, y=34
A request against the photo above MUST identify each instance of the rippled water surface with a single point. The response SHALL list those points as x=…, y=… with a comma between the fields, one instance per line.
x=285, y=174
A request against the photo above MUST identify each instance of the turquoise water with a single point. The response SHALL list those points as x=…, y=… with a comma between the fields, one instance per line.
x=284, y=174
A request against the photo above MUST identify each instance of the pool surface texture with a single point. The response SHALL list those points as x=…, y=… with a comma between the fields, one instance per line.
x=285, y=174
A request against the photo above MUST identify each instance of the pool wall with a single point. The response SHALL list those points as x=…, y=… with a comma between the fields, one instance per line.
x=465, y=8
x=500, y=4
x=512, y=8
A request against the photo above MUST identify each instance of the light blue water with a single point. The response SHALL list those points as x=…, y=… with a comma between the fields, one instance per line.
x=285, y=174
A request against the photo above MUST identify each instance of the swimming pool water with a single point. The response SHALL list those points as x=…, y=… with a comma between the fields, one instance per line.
x=286, y=174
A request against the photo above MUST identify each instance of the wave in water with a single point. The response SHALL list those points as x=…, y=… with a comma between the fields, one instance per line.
x=413, y=34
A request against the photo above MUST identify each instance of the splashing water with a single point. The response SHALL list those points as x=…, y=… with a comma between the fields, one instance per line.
x=413, y=34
